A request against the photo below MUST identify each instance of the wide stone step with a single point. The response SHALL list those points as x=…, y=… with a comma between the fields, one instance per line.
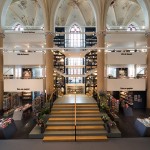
x=59, y=133
x=90, y=123
x=78, y=119
x=72, y=132
x=57, y=123
x=90, y=127
x=77, y=112
x=58, y=138
x=78, y=115
x=72, y=138
x=63, y=106
x=73, y=105
x=62, y=112
x=68, y=109
x=60, y=128
x=91, y=138
x=91, y=132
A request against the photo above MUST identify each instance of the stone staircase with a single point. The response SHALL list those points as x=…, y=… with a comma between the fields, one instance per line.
x=61, y=124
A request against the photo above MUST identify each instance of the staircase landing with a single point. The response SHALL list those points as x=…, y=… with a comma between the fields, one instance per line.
x=70, y=99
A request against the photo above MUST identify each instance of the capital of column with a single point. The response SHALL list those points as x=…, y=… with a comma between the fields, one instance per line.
x=147, y=34
x=2, y=35
x=49, y=33
x=103, y=33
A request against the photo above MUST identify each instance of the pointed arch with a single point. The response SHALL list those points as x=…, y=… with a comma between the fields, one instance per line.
x=75, y=37
x=6, y=5
x=4, y=12
x=144, y=8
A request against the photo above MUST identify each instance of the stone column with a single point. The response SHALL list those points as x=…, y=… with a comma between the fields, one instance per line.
x=49, y=63
x=1, y=71
x=100, y=61
x=148, y=70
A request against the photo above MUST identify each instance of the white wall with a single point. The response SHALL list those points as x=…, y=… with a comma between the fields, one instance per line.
x=36, y=58
x=115, y=58
x=19, y=85
x=126, y=84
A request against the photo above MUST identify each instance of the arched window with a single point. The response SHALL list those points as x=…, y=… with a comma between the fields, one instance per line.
x=131, y=27
x=75, y=36
x=18, y=27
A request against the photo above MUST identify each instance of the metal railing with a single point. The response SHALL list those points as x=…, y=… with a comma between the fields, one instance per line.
x=51, y=98
x=97, y=98
x=75, y=115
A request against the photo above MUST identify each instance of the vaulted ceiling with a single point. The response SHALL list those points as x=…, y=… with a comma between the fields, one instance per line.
x=71, y=11
x=25, y=12
x=120, y=13
x=125, y=12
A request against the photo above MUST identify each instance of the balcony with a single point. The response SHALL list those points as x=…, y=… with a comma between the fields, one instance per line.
x=24, y=58
x=115, y=58
x=22, y=85
x=126, y=84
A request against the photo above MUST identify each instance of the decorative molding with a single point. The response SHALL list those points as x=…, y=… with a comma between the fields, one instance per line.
x=49, y=33
x=147, y=34
x=101, y=33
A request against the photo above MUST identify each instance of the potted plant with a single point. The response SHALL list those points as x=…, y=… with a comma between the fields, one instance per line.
x=103, y=100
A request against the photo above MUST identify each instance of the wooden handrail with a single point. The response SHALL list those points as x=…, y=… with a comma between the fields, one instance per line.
x=52, y=94
x=75, y=110
x=97, y=93
x=75, y=115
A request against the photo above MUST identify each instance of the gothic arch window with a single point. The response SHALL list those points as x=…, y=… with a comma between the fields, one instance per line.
x=18, y=27
x=131, y=27
x=75, y=36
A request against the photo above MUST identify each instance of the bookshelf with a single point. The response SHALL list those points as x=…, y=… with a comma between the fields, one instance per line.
x=127, y=96
x=59, y=61
x=59, y=82
x=91, y=83
x=59, y=39
x=90, y=40
x=26, y=96
x=91, y=61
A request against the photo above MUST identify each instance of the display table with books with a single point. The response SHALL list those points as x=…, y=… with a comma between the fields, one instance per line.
x=20, y=111
x=7, y=128
x=143, y=126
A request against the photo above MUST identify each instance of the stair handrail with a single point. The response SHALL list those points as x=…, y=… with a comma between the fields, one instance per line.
x=52, y=94
x=51, y=98
x=75, y=110
x=75, y=115
x=70, y=75
x=98, y=98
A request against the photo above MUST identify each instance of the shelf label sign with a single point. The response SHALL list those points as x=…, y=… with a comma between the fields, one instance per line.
x=23, y=89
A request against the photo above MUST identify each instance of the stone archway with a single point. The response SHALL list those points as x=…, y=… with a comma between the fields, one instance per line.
x=145, y=11
x=5, y=8
x=4, y=12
